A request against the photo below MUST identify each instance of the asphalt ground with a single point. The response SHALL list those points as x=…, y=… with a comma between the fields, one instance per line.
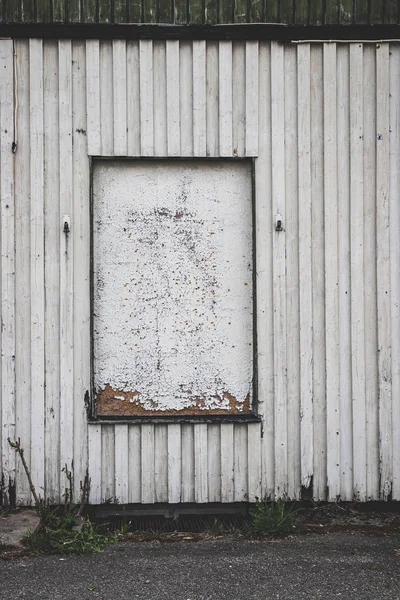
x=314, y=567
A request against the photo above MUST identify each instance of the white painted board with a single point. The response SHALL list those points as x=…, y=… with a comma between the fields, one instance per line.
x=173, y=316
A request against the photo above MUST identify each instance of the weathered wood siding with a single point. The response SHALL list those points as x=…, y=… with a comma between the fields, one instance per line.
x=173, y=287
x=323, y=122
x=301, y=12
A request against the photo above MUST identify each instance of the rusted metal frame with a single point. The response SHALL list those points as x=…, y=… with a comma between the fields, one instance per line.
x=92, y=412
x=194, y=419
x=254, y=405
x=91, y=409
x=255, y=31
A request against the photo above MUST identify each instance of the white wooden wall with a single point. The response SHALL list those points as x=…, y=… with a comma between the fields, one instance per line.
x=323, y=122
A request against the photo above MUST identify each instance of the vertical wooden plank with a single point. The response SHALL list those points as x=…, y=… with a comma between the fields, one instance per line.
x=121, y=463
x=212, y=90
x=7, y=258
x=160, y=99
x=301, y=17
x=57, y=9
x=305, y=262
x=37, y=262
x=174, y=463
x=240, y=11
x=120, y=11
x=135, y=9
x=134, y=463
x=104, y=11
x=331, y=273
x=376, y=11
x=11, y=8
x=279, y=267
x=187, y=442
x=357, y=270
x=81, y=252
x=52, y=268
x=346, y=413
x=292, y=273
x=317, y=12
x=93, y=96
x=149, y=14
x=27, y=11
x=362, y=12
x=332, y=12
x=257, y=11
x=186, y=98
x=133, y=107
x=225, y=98
x=383, y=269
x=264, y=235
x=198, y=11
x=199, y=98
x=207, y=12
x=200, y=463
x=147, y=464
x=163, y=11
x=120, y=98
x=66, y=256
x=89, y=12
x=225, y=12
x=94, y=462
x=392, y=11
x=370, y=284
x=181, y=10
x=73, y=10
x=106, y=98
x=22, y=271
x=173, y=106
x=146, y=97
x=272, y=11
x=346, y=12
x=254, y=462
x=240, y=455
x=227, y=488
x=107, y=464
x=161, y=463
x=252, y=57
x=43, y=14
x=239, y=98
x=318, y=271
x=286, y=11
x=214, y=462
x=395, y=256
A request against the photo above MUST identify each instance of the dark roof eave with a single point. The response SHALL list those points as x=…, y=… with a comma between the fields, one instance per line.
x=254, y=31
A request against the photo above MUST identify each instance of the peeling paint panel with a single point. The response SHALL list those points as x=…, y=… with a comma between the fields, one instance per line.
x=173, y=307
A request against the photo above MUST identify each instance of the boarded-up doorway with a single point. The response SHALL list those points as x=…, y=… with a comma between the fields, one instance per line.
x=172, y=287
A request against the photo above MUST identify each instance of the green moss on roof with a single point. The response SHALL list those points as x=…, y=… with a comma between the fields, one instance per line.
x=300, y=12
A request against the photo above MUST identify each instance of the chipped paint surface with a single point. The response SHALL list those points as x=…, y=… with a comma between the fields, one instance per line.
x=173, y=322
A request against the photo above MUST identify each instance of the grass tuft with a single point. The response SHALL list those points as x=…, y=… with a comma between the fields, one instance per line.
x=66, y=535
x=271, y=519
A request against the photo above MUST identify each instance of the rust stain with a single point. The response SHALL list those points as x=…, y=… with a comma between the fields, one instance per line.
x=113, y=403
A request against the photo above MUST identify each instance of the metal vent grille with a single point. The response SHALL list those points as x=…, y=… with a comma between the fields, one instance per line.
x=184, y=523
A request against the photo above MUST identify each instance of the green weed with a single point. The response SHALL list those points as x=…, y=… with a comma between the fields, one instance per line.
x=64, y=529
x=271, y=519
x=66, y=535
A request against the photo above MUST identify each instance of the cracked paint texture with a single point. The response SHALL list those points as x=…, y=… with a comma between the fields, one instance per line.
x=173, y=308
